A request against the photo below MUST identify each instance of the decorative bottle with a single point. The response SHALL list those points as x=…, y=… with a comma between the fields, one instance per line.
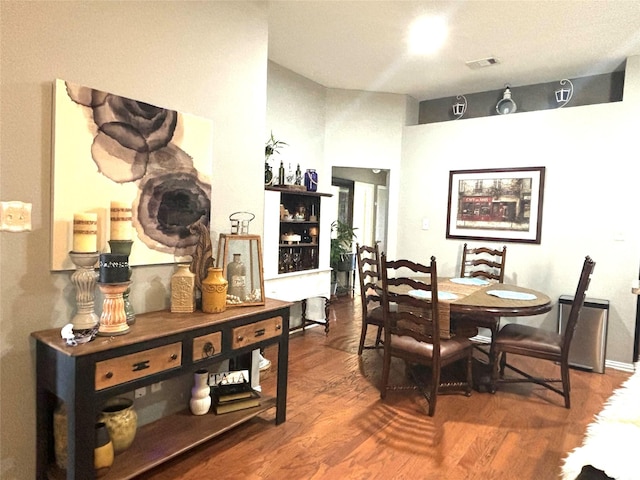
x=183, y=284
x=311, y=180
x=268, y=174
x=290, y=176
x=237, y=278
x=298, y=175
x=214, y=291
x=281, y=174
x=200, y=393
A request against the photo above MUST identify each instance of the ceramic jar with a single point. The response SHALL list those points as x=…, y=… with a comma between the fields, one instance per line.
x=200, y=393
x=121, y=421
x=103, y=450
x=214, y=291
x=183, y=284
x=311, y=180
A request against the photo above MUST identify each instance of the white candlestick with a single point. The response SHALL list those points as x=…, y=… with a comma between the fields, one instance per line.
x=85, y=232
x=120, y=221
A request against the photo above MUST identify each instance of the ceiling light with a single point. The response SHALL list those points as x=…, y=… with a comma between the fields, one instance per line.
x=427, y=35
x=482, y=63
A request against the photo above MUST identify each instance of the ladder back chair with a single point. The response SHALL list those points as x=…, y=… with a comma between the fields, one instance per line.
x=483, y=262
x=369, y=274
x=489, y=264
x=412, y=329
x=543, y=344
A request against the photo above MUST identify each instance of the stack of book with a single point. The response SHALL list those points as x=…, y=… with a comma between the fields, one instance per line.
x=231, y=391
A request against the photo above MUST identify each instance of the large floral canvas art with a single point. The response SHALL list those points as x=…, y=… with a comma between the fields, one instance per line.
x=112, y=149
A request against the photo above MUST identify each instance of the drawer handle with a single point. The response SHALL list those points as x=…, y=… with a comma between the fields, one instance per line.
x=278, y=327
x=174, y=356
x=208, y=350
x=109, y=375
x=240, y=338
x=140, y=366
x=260, y=332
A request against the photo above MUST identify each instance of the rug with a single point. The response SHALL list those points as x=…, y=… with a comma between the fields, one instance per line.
x=611, y=440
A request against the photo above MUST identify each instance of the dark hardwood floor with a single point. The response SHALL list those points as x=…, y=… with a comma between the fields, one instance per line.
x=338, y=428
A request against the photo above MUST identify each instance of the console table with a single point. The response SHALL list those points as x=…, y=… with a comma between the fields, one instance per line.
x=160, y=345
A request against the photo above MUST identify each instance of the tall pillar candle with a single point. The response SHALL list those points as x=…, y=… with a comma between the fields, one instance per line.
x=120, y=221
x=85, y=232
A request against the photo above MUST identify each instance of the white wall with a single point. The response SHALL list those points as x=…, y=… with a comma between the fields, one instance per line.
x=204, y=58
x=364, y=130
x=589, y=198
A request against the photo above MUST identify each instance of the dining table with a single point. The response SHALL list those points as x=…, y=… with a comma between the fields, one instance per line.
x=476, y=299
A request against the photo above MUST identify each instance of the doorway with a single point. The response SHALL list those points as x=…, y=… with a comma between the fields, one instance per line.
x=362, y=196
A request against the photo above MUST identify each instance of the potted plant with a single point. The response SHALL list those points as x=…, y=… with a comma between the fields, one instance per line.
x=341, y=257
x=271, y=147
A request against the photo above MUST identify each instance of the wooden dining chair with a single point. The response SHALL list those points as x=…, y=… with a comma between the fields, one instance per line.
x=483, y=262
x=540, y=343
x=489, y=264
x=369, y=273
x=412, y=329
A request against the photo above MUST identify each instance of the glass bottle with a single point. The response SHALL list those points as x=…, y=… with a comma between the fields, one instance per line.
x=281, y=174
x=237, y=278
x=290, y=177
x=298, y=176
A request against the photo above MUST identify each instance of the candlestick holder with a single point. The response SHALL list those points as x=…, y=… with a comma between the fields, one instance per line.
x=84, y=279
x=113, y=320
x=123, y=247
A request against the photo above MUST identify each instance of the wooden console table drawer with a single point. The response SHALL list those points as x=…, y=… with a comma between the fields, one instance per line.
x=137, y=365
x=256, y=332
x=207, y=346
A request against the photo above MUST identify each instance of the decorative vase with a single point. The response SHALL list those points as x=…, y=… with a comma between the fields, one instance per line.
x=311, y=180
x=103, y=451
x=200, y=393
x=121, y=421
x=237, y=278
x=60, y=434
x=183, y=282
x=214, y=291
x=268, y=174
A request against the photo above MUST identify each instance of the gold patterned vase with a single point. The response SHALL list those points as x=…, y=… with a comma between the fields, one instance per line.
x=183, y=298
x=214, y=291
x=121, y=421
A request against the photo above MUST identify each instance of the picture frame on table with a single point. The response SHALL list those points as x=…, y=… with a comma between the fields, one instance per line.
x=497, y=204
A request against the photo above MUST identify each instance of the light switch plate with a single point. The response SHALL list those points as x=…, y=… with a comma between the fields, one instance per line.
x=15, y=216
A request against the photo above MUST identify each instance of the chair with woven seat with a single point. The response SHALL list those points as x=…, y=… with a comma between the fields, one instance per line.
x=529, y=341
x=368, y=271
x=412, y=329
x=485, y=263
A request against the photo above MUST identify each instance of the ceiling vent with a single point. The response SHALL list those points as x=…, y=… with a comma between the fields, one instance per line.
x=482, y=63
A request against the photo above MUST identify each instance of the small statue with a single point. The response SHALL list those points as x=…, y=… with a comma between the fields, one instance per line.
x=202, y=257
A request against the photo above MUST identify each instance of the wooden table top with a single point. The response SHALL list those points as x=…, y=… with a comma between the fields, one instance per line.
x=475, y=299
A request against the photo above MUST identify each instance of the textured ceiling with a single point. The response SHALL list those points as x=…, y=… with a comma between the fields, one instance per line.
x=361, y=45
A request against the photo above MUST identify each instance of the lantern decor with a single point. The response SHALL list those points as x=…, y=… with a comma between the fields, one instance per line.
x=460, y=107
x=506, y=105
x=240, y=257
x=564, y=94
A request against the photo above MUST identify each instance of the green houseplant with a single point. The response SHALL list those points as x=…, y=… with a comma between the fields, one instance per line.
x=341, y=256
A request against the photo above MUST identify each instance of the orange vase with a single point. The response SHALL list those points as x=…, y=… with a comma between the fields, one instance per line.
x=214, y=291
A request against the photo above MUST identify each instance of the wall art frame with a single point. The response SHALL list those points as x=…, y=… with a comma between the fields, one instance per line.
x=112, y=148
x=498, y=204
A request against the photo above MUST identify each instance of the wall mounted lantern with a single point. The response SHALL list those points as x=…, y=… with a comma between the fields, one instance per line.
x=506, y=105
x=564, y=94
x=459, y=108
